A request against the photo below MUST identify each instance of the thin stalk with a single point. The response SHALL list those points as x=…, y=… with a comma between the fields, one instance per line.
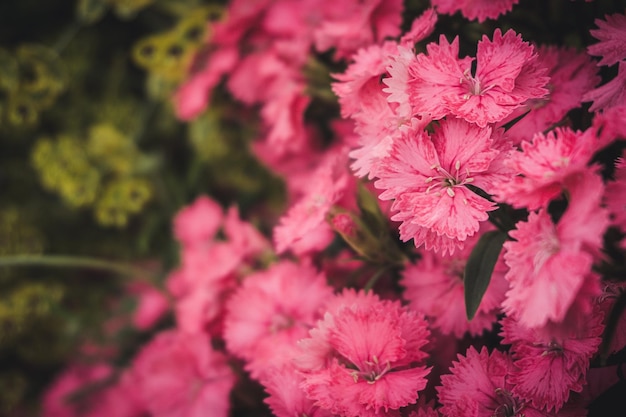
x=64, y=261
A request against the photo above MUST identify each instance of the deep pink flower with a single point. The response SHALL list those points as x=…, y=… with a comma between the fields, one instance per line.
x=544, y=164
x=478, y=387
x=507, y=75
x=611, y=94
x=426, y=175
x=271, y=311
x=550, y=263
x=615, y=194
x=434, y=286
x=572, y=74
x=179, y=375
x=364, y=358
x=547, y=369
x=475, y=9
x=286, y=397
x=611, y=33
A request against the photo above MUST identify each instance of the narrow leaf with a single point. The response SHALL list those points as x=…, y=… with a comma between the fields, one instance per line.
x=479, y=268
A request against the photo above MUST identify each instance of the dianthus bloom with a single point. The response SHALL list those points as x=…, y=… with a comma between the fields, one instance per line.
x=572, y=74
x=364, y=358
x=427, y=175
x=612, y=36
x=478, y=386
x=180, y=375
x=507, y=75
x=271, y=311
x=547, y=369
x=544, y=164
x=434, y=286
x=475, y=9
x=550, y=264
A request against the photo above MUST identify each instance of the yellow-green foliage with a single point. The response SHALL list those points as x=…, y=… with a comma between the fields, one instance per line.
x=100, y=172
x=31, y=80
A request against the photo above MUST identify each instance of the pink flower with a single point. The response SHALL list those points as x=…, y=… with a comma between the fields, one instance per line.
x=550, y=263
x=572, y=74
x=434, y=286
x=547, y=369
x=197, y=223
x=57, y=401
x=475, y=9
x=611, y=33
x=615, y=194
x=611, y=94
x=349, y=25
x=478, y=386
x=180, y=375
x=286, y=397
x=329, y=183
x=544, y=164
x=152, y=304
x=271, y=311
x=507, y=75
x=363, y=358
x=426, y=175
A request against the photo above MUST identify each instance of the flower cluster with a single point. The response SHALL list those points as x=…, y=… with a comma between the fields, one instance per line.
x=476, y=157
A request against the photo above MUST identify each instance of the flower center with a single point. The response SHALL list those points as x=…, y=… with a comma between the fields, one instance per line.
x=371, y=371
x=508, y=406
x=446, y=180
x=474, y=88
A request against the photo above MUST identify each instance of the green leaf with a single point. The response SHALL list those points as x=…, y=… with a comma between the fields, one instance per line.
x=479, y=268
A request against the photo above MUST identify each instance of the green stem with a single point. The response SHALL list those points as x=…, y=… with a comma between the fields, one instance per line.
x=372, y=281
x=62, y=261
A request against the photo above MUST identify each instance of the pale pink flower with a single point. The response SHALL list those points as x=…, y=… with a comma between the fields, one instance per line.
x=572, y=74
x=609, y=125
x=271, y=311
x=544, y=164
x=550, y=263
x=611, y=94
x=475, y=9
x=507, y=75
x=179, y=375
x=122, y=399
x=546, y=370
x=364, y=358
x=611, y=33
x=426, y=175
x=197, y=223
x=434, y=286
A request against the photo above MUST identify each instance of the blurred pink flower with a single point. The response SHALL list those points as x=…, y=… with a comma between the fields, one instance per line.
x=475, y=9
x=611, y=33
x=179, y=375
